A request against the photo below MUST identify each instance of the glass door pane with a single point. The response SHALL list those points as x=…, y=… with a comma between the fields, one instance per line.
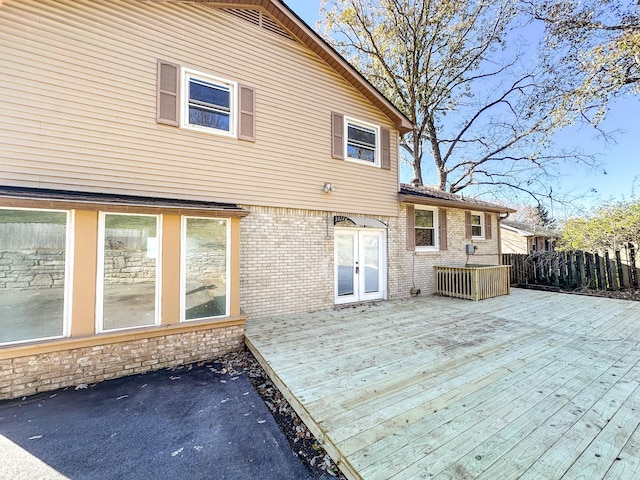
x=370, y=261
x=345, y=264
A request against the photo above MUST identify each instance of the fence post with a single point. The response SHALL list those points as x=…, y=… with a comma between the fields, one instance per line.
x=609, y=271
x=600, y=272
x=623, y=270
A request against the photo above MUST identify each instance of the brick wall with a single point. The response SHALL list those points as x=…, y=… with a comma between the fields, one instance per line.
x=407, y=268
x=26, y=375
x=286, y=261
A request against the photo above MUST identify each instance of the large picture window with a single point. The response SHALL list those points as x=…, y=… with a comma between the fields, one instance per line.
x=33, y=274
x=209, y=103
x=205, y=268
x=426, y=226
x=128, y=271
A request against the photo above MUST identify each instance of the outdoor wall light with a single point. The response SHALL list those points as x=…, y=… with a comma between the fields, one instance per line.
x=328, y=188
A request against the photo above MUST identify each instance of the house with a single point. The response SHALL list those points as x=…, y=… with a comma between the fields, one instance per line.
x=526, y=238
x=171, y=168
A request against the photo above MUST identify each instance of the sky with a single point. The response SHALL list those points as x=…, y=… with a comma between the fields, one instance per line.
x=618, y=175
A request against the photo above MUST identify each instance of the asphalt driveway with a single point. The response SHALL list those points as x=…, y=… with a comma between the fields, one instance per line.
x=172, y=424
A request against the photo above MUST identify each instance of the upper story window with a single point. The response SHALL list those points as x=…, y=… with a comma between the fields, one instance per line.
x=208, y=103
x=198, y=101
x=477, y=225
x=426, y=228
x=362, y=142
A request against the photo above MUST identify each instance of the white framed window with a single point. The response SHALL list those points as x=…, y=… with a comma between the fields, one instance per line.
x=204, y=268
x=362, y=142
x=426, y=228
x=36, y=248
x=209, y=103
x=477, y=226
x=128, y=288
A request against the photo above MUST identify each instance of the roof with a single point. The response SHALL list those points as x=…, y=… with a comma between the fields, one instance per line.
x=529, y=230
x=280, y=12
x=426, y=195
x=106, y=201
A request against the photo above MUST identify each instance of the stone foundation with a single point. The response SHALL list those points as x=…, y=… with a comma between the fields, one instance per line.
x=34, y=373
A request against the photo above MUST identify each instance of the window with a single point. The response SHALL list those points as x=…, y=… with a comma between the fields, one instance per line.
x=33, y=274
x=209, y=103
x=477, y=225
x=128, y=271
x=190, y=99
x=205, y=272
x=362, y=142
x=426, y=227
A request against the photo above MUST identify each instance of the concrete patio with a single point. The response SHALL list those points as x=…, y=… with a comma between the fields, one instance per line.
x=534, y=385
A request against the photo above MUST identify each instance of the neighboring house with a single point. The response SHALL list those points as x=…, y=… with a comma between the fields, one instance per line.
x=170, y=168
x=520, y=237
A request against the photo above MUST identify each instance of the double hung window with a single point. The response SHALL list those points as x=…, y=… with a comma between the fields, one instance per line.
x=209, y=103
x=477, y=225
x=362, y=142
x=426, y=228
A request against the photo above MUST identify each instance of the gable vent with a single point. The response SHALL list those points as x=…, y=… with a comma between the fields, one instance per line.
x=259, y=19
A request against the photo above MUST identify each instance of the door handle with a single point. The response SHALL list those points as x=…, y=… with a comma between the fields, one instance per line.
x=357, y=268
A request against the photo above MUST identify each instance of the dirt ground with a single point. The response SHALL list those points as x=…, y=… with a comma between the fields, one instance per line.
x=630, y=294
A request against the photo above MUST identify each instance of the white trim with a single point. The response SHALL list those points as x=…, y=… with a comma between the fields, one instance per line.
x=183, y=268
x=359, y=280
x=378, y=149
x=68, y=275
x=436, y=229
x=185, y=75
x=483, y=235
x=99, y=321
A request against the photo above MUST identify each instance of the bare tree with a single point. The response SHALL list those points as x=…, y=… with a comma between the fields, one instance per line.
x=481, y=115
x=592, y=49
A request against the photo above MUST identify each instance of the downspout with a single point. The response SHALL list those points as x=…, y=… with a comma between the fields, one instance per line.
x=500, y=219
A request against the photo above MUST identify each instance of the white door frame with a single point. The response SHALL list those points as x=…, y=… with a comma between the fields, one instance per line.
x=358, y=268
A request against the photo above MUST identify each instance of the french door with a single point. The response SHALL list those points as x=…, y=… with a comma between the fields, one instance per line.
x=360, y=264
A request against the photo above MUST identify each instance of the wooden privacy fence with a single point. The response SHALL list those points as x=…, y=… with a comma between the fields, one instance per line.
x=575, y=269
x=473, y=282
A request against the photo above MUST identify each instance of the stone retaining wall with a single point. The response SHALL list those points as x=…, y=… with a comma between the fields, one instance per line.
x=36, y=269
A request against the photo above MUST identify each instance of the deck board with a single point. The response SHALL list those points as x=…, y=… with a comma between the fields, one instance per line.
x=530, y=385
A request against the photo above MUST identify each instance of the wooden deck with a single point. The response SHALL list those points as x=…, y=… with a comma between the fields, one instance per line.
x=534, y=385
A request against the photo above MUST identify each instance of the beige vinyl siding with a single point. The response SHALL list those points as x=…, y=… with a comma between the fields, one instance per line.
x=78, y=83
